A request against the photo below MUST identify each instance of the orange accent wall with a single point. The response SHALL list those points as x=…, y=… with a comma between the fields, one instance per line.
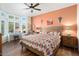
x=69, y=18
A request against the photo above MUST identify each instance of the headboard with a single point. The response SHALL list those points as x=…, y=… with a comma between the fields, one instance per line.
x=53, y=28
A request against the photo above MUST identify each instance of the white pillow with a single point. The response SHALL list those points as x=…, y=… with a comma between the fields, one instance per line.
x=51, y=33
x=55, y=33
x=43, y=32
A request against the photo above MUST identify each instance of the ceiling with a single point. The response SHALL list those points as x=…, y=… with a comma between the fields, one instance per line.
x=19, y=8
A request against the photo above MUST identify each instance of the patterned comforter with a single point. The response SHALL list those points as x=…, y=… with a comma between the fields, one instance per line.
x=42, y=42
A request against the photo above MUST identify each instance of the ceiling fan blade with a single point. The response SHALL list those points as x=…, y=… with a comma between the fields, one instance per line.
x=26, y=8
x=26, y=4
x=37, y=9
x=36, y=5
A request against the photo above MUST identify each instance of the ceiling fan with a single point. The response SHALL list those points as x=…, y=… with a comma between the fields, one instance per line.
x=32, y=6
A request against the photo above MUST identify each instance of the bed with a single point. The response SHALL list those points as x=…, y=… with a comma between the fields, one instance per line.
x=43, y=44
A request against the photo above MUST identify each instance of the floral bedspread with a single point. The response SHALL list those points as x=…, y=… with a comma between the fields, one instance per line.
x=42, y=42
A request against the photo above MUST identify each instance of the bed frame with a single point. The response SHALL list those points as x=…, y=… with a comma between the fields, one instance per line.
x=39, y=53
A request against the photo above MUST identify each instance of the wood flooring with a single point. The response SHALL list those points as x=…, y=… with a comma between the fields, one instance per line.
x=13, y=48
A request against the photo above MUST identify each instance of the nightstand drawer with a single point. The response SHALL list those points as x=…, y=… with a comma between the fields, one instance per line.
x=69, y=41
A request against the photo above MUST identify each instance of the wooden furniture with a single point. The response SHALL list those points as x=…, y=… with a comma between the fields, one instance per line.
x=0, y=44
x=69, y=41
x=16, y=37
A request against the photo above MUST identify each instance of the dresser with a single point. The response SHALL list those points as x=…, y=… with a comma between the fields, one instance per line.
x=69, y=41
x=0, y=44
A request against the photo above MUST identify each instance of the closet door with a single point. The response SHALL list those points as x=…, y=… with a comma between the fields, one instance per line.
x=0, y=44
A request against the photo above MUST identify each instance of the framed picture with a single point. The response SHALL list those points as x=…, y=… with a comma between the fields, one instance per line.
x=49, y=22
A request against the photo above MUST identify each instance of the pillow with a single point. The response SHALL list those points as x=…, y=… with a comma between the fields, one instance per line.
x=55, y=33
x=59, y=33
x=43, y=32
x=48, y=32
x=51, y=33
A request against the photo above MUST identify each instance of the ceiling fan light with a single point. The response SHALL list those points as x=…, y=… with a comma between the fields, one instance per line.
x=31, y=11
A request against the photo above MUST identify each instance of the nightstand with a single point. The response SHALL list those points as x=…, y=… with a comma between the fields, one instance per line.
x=69, y=41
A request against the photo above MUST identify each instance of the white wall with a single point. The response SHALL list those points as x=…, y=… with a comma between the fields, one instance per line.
x=78, y=24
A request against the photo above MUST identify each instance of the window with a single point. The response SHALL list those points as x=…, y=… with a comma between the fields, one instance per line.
x=23, y=28
x=11, y=27
x=11, y=17
x=2, y=27
x=17, y=27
